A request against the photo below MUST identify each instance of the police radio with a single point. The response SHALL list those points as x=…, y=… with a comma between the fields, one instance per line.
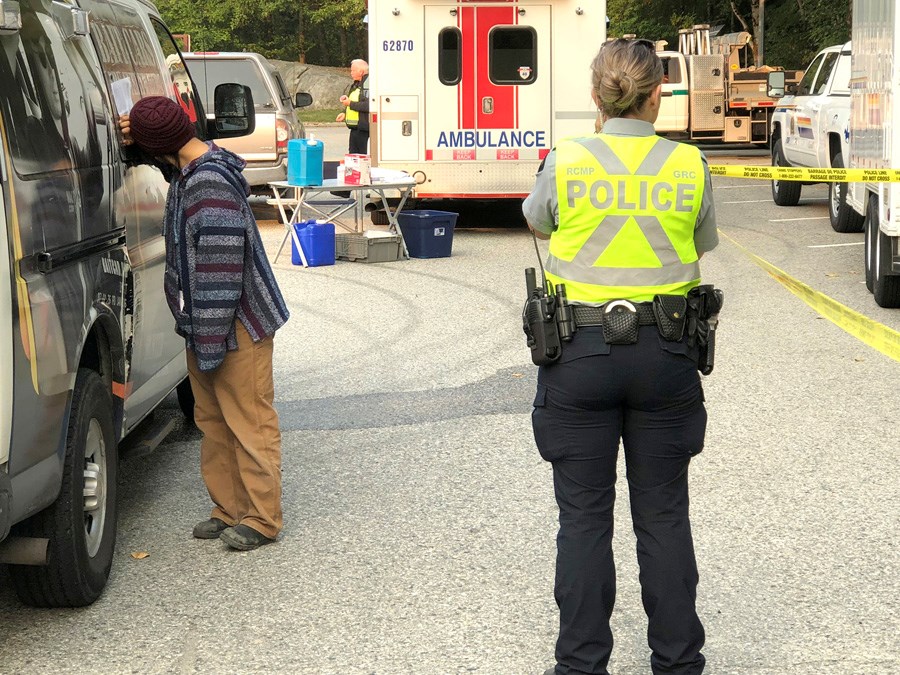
x=547, y=320
x=539, y=322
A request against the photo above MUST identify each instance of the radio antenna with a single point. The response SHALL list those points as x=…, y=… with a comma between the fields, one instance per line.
x=541, y=265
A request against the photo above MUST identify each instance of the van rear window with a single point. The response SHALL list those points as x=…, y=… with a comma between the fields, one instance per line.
x=209, y=73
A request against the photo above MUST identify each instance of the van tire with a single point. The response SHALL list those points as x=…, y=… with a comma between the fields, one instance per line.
x=784, y=192
x=78, y=562
x=844, y=217
x=186, y=399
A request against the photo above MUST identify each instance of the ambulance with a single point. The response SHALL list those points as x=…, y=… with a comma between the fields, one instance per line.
x=470, y=96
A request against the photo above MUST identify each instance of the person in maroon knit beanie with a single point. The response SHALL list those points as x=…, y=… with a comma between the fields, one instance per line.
x=227, y=305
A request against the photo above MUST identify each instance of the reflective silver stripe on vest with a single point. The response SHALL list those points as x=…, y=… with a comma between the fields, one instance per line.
x=604, y=155
x=582, y=266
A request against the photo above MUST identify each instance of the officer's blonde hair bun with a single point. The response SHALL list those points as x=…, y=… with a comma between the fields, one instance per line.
x=623, y=75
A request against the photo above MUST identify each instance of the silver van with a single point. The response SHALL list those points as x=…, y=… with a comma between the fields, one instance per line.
x=265, y=150
x=87, y=343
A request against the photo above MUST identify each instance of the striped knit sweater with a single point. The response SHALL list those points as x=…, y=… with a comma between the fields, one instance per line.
x=216, y=266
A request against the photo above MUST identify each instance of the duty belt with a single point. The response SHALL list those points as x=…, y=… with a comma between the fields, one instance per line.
x=589, y=315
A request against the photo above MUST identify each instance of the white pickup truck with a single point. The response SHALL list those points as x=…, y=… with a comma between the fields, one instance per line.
x=811, y=128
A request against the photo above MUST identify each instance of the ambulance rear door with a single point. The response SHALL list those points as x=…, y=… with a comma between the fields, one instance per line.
x=488, y=82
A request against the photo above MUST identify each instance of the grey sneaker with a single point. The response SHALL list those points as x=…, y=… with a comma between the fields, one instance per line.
x=210, y=529
x=244, y=538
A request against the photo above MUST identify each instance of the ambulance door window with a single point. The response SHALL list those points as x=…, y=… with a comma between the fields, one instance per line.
x=513, y=55
x=450, y=56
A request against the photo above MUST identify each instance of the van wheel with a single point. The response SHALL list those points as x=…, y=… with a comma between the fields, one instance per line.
x=81, y=523
x=885, y=286
x=784, y=192
x=870, y=226
x=186, y=399
x=844, y=217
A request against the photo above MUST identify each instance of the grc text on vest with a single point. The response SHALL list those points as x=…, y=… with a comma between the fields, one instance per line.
x=635, y=192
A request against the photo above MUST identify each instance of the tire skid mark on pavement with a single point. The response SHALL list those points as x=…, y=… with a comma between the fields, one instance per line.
x=508, y=392
x=876, y=335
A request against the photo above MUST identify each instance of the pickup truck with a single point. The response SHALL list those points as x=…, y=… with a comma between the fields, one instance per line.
x=811, y=129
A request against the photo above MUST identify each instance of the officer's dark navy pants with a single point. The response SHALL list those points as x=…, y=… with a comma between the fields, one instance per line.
x=649, y=396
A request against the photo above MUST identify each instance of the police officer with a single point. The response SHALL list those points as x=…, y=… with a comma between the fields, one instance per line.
x=628, y=215
x=356, y=108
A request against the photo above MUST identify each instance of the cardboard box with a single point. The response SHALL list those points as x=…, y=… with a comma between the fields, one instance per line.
x=357, y=170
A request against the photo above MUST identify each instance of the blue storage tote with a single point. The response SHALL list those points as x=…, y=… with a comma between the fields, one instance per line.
x=428, y=234
x=317, y=240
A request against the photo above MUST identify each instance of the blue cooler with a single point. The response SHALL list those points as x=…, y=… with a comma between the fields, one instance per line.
x=428, y=234
x=317, y=240
x=305, y=162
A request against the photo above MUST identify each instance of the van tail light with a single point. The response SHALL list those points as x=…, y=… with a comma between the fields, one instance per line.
x=282, y=133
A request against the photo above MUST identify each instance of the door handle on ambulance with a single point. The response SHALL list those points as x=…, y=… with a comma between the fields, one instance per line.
x=487, y=105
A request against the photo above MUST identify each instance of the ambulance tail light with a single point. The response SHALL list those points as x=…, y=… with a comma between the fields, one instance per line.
x=282, y=133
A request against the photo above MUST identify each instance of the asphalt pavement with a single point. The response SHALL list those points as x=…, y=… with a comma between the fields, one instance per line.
x=420, y=520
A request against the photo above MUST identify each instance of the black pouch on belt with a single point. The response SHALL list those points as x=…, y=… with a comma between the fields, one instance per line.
x=671, y=313
x=621, y=323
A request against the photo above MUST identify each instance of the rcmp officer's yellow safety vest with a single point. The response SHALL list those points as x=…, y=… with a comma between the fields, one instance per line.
x=352, y=116
x=628, y=207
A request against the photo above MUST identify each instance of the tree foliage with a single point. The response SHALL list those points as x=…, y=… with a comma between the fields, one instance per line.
x=793, y=30
x=332, y=32
x=325, y=32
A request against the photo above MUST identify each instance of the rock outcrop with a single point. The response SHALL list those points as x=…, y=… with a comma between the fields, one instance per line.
x=325, y=83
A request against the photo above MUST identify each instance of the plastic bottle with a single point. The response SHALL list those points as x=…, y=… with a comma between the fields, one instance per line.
x=340, y=172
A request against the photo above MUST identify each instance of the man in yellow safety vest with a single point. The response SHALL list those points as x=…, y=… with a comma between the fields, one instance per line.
x=356, y=108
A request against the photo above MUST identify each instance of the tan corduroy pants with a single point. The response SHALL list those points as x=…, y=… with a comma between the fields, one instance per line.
x=240, y=455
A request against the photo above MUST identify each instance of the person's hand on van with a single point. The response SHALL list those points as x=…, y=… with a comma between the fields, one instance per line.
x=125, y=128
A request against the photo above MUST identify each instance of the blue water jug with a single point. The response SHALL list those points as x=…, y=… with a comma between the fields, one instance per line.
x=317, y=240
x=305, y=161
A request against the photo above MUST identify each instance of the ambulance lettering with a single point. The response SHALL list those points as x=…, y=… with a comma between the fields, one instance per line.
x=470, y=138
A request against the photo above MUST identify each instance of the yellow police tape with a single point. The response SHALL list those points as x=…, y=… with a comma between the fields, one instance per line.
x=810, y=175
x=876, y=335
